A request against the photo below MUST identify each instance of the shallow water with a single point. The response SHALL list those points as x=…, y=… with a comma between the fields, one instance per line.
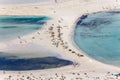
x=31, y=56
x=13, y=26
x=16, y=64
x=98, y=35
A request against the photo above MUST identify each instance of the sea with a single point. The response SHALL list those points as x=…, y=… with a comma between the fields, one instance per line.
x=98, y=36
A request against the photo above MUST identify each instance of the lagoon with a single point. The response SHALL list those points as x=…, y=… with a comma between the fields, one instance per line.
x=98, y=35
x=23, y=64
x=13, y=26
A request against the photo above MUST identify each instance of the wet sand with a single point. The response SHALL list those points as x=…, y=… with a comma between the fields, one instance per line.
x=57, y=36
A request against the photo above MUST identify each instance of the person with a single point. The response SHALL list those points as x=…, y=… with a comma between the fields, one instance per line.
x=75, y=64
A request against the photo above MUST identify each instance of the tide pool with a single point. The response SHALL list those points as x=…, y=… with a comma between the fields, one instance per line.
x=31, y=56
x=13, y=26
x=98, y=35
x=19, y=64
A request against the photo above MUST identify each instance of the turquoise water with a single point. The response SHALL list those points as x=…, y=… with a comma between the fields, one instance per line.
x=13, y=26
x=98, y=35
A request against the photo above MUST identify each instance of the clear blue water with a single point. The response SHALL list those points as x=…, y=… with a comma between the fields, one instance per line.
x=98, y=35
x=13, y=26
x=16, y=64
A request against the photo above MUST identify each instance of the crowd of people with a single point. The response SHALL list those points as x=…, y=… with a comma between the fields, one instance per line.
x=56, y=37
x=69, y=75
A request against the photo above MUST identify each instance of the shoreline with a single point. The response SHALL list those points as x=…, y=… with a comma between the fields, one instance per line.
x=73, y=28
x=82, y=52
x=69, y=18
x=17, y=3
x=75, y=45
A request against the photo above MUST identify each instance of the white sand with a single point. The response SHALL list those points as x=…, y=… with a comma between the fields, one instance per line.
x=69, y=12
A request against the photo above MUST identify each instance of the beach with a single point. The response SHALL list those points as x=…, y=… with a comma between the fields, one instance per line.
x=64, y=17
